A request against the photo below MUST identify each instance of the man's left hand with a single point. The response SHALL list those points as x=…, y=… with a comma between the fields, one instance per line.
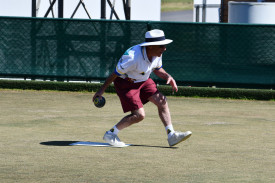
x=173, y=83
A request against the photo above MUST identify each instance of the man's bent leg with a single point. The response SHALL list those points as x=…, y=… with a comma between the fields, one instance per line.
x=111, y=135
x=135, y=117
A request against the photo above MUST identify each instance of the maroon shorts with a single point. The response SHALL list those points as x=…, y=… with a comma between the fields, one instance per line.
x=134, y=95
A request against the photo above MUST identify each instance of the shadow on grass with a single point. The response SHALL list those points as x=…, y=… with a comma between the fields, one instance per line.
x=58, y=143
x=95, y=144
x=153, y=146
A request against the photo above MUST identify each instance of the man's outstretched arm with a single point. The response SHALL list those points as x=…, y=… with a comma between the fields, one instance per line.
x=164, y=75
x=107, y=82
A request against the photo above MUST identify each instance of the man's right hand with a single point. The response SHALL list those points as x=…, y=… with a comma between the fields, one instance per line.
x=107, y=82
x=97, y=94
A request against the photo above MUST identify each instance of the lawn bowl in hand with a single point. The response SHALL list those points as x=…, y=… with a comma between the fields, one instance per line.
x=99, y=102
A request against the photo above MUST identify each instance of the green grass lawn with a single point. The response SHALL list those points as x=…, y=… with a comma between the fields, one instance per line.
x=176, y=5
x=232, y=141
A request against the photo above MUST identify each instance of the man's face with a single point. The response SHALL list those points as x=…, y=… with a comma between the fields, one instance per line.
x=157, y=50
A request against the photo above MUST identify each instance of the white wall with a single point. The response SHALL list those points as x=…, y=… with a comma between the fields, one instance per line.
x=140, y=9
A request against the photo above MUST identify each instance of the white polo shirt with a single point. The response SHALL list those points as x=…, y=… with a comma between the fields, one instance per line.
x=134, y=64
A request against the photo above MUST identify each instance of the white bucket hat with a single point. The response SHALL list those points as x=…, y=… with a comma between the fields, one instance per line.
x=155, y=37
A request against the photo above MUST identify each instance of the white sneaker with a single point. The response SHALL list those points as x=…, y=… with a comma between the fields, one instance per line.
x=178, y=137
x=113, y=140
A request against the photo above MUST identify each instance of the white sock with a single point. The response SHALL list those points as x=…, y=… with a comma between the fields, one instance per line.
x=170, y=130
x=114, y=130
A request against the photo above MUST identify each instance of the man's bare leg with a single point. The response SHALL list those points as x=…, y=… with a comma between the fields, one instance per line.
x=173, y=137
x=164, y=113
x=111, y=135
x=135, y=117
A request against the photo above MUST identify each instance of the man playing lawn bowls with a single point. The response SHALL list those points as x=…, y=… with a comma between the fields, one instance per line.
x=135, y=88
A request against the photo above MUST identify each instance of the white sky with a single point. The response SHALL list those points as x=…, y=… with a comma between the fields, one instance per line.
x=150, y=9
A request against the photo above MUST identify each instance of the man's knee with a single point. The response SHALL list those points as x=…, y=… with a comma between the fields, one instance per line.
x=163, y=100
x=160, y=100
x=139, y=115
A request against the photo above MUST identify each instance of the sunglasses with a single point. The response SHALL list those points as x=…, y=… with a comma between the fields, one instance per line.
x=162, y=46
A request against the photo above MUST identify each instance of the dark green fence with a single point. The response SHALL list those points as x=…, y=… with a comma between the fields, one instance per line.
x=224, y=55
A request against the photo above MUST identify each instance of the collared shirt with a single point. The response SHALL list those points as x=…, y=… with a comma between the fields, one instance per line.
x=135, y=65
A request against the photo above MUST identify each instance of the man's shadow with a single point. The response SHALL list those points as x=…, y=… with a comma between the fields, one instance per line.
x=94, y=144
